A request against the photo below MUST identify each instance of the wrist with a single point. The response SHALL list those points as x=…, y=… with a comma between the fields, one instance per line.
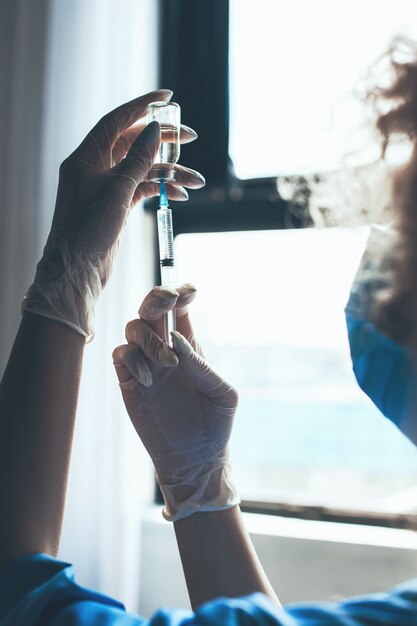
x=66, y=287
x=198, y=489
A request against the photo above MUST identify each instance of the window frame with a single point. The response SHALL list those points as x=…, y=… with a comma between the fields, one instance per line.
x=226, y=203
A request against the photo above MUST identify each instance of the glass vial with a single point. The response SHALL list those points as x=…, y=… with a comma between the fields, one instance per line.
x=168, y=114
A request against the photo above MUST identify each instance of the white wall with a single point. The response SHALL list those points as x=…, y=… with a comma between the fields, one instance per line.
x=65, y=64
x=23, y=33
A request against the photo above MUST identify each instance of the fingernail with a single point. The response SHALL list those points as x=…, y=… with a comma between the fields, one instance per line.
x=164, y=92
x=199, y=176
x=189, y=130
x=180, y=344
x=163, y=300
x=137, y=368
x=183, y=193
x=129, y=385
x=167, y=356
x=117, y=367
x=129, y=359
x=152, y=129
x=167, y=292
x=144, y=375
x=188, y=287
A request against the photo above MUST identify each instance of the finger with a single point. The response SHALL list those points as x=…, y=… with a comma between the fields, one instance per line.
x=140, y=333
x=187, y=292
x=130, y=362
x=156, y=304
x=139, y=160
x=203, y=376
x=184, y=176
x=128, y=136
x=123, y=374
x=150, y=190
x=187, y=177
x=105, y=133
x=158, y=301
x=161, y=300
x=125, y=141
x=127, y=382
x=187, y=134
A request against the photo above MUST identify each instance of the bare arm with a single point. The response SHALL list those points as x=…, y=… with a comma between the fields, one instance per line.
x=38, y=399
x=218, y=557
x=98, y=186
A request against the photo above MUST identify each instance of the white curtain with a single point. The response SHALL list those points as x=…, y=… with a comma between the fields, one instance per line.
x=64, y=65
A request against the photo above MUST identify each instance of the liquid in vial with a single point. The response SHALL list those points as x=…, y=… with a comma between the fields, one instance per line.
x=169, y=148
x=168, y=115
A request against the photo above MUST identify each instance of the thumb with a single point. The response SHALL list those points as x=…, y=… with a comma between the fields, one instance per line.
x=204, y=377
x=141, y=156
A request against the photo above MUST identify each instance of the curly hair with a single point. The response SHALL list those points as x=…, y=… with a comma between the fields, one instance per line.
x=395, y=311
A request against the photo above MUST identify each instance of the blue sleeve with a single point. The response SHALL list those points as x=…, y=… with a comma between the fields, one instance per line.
x=41, y=591
x=397, y=607
x=38, y=590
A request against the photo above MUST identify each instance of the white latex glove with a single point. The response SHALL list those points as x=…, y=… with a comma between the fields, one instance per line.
x=98, y=185
x=181, y=409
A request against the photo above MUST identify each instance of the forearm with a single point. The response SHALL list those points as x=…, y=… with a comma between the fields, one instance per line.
x=38, y=399
x=218, y=557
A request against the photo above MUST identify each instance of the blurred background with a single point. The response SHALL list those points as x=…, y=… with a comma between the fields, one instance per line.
x=294, y=181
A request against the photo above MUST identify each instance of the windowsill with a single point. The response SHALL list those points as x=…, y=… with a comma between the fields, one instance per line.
x=313, y=530
x=304, y=560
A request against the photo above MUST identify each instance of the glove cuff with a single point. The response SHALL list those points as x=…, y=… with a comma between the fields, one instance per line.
x=66, y=287
x=202, y=488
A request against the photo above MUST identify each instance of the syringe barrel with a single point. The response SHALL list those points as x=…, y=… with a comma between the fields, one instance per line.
x=168, y=275
x=166, y=255
x=168, y=280
x=165, y=235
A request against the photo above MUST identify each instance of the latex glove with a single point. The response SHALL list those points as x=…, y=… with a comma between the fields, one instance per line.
x=98, y=185
x=182, y=410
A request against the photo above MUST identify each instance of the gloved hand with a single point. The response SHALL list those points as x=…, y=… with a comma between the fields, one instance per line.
x=98, y=185
x=181, y=409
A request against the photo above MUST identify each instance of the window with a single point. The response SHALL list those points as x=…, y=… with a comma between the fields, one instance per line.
x=295, y=69
x=269, y=314
x=269, y=311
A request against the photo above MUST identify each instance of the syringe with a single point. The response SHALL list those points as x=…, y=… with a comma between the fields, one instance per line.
x=166, y=254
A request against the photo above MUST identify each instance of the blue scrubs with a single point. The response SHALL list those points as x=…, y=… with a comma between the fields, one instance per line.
x=38, y=590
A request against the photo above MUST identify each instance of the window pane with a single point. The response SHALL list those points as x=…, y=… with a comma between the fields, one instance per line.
x=294, y=68
x=269, y=314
